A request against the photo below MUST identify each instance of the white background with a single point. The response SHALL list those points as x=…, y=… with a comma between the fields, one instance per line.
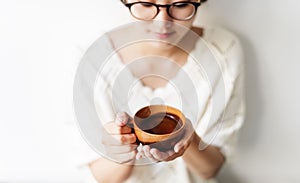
x=41, y=42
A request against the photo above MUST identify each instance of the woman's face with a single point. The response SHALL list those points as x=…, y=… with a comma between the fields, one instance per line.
x=163, y=28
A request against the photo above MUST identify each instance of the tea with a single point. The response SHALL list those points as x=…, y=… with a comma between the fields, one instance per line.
x=160, y=123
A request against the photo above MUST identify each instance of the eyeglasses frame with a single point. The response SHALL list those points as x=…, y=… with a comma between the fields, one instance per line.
x=195, y=4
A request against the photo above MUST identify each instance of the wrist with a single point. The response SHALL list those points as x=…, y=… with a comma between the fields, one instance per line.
x=104, y=170
x=195, y=141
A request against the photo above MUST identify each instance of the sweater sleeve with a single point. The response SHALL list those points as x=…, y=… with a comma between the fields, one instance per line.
x=227, y=118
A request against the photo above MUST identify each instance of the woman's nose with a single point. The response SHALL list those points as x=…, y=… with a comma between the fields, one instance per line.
x=163, y=15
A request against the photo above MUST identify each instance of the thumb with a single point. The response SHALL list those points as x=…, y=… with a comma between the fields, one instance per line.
x=122, y=118
x=178, y=146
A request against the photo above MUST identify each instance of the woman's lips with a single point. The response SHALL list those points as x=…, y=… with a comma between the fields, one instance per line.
x=163, y=35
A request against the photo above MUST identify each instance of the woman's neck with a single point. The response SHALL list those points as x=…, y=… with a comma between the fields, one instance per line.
x=158, y=49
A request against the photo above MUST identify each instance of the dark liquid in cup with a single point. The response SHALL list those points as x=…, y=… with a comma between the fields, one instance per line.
x=161, y=123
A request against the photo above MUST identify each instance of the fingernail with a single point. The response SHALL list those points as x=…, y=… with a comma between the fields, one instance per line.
x=140, y=147
x=177, y=148
x=121, y=118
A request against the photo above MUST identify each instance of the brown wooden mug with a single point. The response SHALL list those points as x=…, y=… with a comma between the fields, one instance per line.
x=159, y=126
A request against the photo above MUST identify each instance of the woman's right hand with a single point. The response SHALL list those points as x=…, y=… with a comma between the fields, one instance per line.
x=120, y=145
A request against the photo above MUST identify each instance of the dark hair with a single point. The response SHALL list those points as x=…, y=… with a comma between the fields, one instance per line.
x=202, y=1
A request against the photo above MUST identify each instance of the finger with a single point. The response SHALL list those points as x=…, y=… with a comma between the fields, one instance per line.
x=118, y=149
x=139, y=155
x=140, y=152
x=121, y=118
x=146, y=150
x=126, y=138
x=140, y=148
x=182, y=144
x=112, y=128
x=161, y=156
x=178, y=146
x=188, y=136
x=120, y=139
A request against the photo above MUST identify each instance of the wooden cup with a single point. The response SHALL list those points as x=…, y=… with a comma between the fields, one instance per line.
x=159, y=126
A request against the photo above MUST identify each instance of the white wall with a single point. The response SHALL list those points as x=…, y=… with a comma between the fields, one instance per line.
x=269, y=147
x=41, y=42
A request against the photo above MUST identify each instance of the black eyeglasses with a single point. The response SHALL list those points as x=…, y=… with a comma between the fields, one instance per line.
x=182, y=10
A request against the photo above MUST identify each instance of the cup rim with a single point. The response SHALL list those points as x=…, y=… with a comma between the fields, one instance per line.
x=167, y=107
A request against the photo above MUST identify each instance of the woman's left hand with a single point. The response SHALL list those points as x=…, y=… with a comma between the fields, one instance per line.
x=155, y=155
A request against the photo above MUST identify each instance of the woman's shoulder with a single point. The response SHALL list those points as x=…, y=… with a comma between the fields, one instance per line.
x=226, y=45
x=223, y=40
x=226, y=48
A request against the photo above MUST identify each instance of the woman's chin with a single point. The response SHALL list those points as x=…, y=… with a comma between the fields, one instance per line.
x=163, y=45
x=164, y=42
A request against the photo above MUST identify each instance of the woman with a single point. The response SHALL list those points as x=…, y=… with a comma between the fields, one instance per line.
x=170, y=24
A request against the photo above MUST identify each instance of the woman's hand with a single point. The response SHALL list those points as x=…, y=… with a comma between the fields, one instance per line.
x=120, y=145
x=153, y=154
